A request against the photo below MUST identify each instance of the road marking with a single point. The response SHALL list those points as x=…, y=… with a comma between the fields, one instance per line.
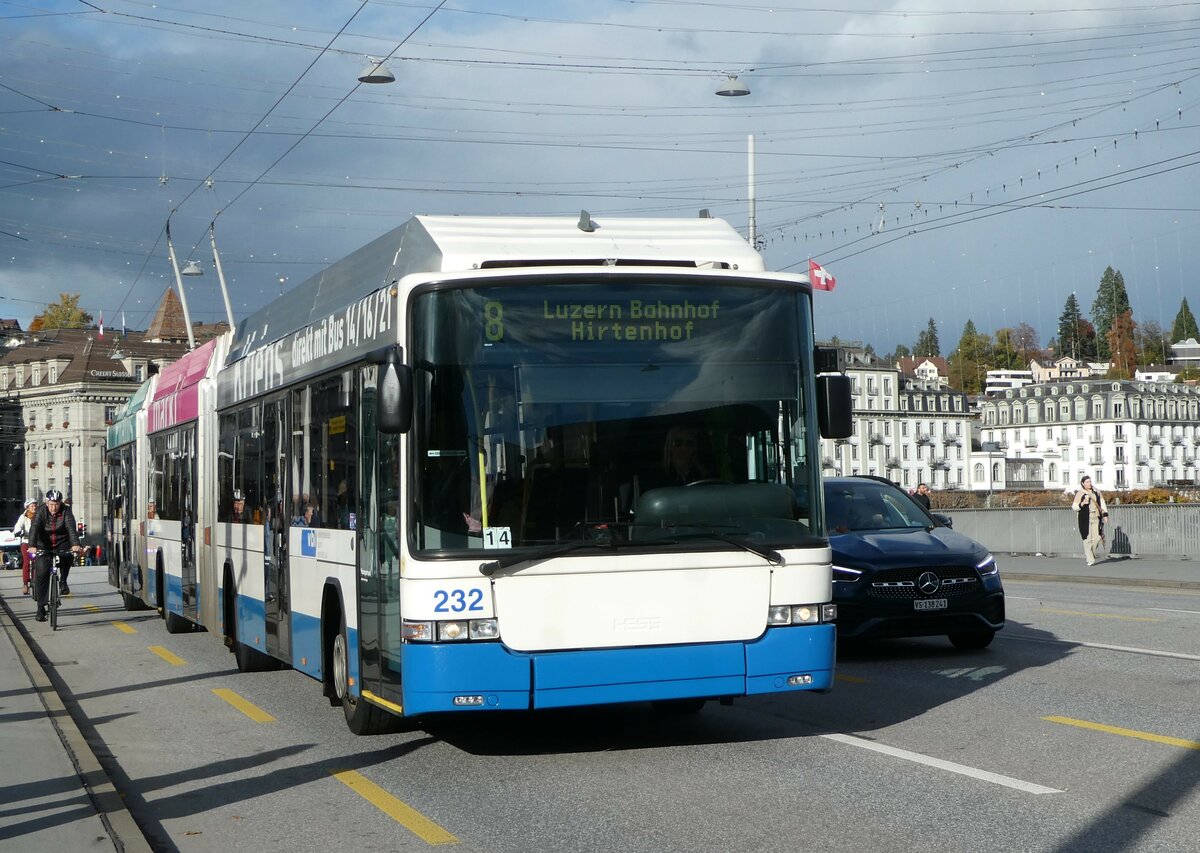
x=961, y=769
x=1115, y=730
x=401, y=812
x=125, y=627
x=91, y=608
x=1169, y=610
x=248, y=708
x=1158, y=653
x=849, y=679
x=1099, y=615
x=173, y=660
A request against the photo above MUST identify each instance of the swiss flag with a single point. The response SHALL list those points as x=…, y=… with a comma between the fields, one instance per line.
x=820, y=279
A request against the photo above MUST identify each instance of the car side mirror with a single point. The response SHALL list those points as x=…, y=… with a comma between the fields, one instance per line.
x=943, y=520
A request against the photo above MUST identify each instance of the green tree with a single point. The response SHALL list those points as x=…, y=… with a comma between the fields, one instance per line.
x=1005, y=353
x=63, y=314
x=900, y=352
x=1069, y=329
x=927, y=342
x=1185, y=324
x=1111, y=302
x=1122, y=346
x=968, y=362
x=1151, y=342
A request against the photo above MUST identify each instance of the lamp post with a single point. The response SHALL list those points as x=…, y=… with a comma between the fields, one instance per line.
x=732, y=87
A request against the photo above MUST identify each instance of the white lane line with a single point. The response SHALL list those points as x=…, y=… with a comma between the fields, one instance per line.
x=961, y=769
x=1158, y=653
x=1169, y=610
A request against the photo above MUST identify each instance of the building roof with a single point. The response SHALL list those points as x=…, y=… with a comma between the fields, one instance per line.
x=168, y=323
x=909, y=364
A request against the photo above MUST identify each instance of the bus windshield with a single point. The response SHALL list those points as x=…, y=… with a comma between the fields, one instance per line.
x=635, y=411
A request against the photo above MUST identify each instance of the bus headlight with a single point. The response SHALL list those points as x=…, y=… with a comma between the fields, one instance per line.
x=485, y=629
x=806, y=614
x=779, y=614
x=416, y=632
x=452, y=631
x=801, y=614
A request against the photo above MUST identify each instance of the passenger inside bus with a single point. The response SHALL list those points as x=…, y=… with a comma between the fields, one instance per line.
x=306, y=518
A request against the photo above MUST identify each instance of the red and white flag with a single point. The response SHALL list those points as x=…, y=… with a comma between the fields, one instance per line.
x=820, y=279
x=101, y=324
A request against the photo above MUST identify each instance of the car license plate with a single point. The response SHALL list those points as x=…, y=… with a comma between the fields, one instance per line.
x=931, y=604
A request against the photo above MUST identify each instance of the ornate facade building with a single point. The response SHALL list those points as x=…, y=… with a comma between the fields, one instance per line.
x=1124, y=434
x=59, y=390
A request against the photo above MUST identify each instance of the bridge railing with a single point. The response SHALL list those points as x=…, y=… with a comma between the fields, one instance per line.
x=1150, y=530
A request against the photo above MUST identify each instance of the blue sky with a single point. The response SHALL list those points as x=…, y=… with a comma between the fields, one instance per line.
x=942, y=162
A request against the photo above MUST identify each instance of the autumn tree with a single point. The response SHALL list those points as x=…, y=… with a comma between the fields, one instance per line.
x=63, y=314
x=1121, y=344
x=1151, y=342
x=1111, y=302
x=1185, y=324
x=927, y=342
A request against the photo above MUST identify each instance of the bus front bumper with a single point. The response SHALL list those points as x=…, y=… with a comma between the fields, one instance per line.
x=489, y=676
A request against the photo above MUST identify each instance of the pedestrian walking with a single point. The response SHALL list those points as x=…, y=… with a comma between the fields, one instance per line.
x=1091, y=513
x=21, y=531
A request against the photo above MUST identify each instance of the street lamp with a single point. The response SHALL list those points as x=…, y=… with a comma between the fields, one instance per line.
x=375, y=72
x=732, y=87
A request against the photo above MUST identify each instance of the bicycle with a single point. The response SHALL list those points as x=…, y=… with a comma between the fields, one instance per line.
x=53, y=593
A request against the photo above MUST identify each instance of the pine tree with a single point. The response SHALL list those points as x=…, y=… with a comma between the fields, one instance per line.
x=1111, y=302
x=927, y=342
x=1069, y=330
x=968, y=361
x=1185, y=324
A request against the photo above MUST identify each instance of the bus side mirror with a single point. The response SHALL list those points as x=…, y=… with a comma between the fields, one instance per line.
x=834, y=411
x=394, y=393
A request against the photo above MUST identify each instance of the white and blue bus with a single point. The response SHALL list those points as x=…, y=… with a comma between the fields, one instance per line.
x=489, y=463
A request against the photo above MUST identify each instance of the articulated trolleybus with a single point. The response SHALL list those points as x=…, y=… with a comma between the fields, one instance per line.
x=500, y=463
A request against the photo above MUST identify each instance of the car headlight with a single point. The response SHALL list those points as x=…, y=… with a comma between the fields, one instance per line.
x=987, y=566
x=841, y=574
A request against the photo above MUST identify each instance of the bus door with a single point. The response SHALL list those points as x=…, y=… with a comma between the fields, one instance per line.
x=277, y=601
x=187, y=519
x=378, y=550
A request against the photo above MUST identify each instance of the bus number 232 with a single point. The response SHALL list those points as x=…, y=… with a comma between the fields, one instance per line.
x=457, y=600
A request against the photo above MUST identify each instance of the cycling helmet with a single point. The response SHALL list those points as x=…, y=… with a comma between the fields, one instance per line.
x=30, y=502
x=54, y=495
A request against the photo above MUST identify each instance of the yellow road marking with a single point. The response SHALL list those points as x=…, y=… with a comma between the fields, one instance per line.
x=1114, y=730
x=125, y=627
x=1101, y=615
x=248, y=708
x=92, y=608
x=402, y=813
x=173, y=660
x=850, y=679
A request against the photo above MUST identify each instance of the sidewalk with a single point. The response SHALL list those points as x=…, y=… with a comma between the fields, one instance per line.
x=1123, y=571
x=56, y=796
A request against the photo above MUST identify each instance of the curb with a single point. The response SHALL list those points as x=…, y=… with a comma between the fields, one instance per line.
x=122, y=829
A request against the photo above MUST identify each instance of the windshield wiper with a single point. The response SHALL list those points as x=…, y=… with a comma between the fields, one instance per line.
x=548, y=552
x=769, y=554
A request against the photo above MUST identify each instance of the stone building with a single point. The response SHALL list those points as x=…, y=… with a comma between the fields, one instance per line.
x=59, y=390
x=1124, y=434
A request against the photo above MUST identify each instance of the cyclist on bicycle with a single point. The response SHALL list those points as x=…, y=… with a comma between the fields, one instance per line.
x=54, y=536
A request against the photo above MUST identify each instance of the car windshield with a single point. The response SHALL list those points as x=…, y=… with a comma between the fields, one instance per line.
x=859, y=505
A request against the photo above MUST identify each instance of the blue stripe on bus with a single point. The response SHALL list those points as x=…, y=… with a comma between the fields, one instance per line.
x=434, y=674
x=306, y=644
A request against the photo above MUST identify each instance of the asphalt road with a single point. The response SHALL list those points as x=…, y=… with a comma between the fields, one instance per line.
x=1077, y=730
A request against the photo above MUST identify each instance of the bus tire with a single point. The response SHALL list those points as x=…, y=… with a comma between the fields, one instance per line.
x=362, y=717
x=248, y=659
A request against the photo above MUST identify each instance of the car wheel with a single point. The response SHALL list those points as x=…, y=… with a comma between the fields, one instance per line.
x=972, y=639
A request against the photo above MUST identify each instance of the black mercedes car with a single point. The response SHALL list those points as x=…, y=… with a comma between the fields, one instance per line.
x=899, y=571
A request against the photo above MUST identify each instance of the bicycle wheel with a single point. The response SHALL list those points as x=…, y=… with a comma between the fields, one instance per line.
x=52, y=602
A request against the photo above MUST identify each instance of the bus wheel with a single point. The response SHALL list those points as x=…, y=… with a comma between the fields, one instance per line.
x=362, y=717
